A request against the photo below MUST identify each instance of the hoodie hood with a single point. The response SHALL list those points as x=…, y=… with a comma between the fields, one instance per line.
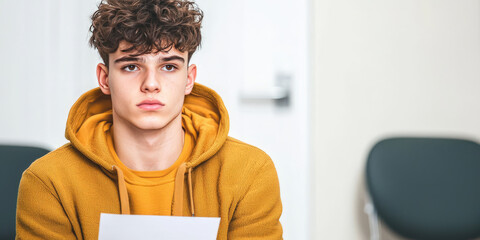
x=204, y=116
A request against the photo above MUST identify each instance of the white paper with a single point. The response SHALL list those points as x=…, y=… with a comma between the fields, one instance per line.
x=146, y=227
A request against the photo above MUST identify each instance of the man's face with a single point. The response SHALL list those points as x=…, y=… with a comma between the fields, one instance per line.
x=148, y=90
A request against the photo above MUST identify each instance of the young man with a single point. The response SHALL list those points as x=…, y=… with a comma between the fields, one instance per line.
x=149, y=140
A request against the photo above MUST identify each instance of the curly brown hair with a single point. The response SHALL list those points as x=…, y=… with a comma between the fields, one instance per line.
x=149, y=25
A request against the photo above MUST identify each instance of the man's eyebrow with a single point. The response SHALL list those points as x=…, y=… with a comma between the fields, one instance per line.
x=171, y=58
x=138, y=59
x=129, y=59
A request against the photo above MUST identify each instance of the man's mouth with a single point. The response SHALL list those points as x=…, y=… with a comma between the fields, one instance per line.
x=150, y=105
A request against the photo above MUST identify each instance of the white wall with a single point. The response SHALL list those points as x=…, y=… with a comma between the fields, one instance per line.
x=46, y=64
x=386, y=68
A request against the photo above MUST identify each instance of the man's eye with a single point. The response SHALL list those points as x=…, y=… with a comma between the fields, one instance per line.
x=168, y=68
x=130, y=68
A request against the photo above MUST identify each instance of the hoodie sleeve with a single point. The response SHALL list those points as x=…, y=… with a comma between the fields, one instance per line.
x=257, y=215
x=39, y=212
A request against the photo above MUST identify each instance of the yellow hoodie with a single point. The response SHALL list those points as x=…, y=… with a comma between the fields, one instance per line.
x=62, y=194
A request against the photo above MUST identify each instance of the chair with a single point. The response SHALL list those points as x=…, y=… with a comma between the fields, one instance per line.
x=13, y=161
x=425, y=188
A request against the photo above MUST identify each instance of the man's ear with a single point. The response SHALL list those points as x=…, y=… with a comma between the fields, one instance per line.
x=102, y=77
x=191, y=76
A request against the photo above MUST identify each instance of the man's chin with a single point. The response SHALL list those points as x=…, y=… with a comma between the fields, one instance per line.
x=150, y=127
x=155, y=125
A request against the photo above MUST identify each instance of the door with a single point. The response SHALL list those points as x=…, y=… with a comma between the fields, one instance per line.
x=255, y=55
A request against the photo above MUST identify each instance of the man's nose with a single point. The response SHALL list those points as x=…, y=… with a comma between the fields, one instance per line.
x=151, y=82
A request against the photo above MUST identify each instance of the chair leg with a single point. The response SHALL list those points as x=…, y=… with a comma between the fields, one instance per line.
x=369, y=209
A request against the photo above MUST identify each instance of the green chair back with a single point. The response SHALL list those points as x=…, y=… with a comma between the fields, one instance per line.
x=13, y=161
x=426, y=188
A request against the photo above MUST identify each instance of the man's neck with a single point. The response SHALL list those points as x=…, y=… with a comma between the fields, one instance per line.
x=148, y=150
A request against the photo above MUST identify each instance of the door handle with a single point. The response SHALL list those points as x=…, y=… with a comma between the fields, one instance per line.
x=273, y=93
x=279, y=93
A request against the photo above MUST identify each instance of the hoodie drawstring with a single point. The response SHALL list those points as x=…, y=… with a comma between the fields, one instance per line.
x=178, y=194
x=191, y=191
x=122, y=191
